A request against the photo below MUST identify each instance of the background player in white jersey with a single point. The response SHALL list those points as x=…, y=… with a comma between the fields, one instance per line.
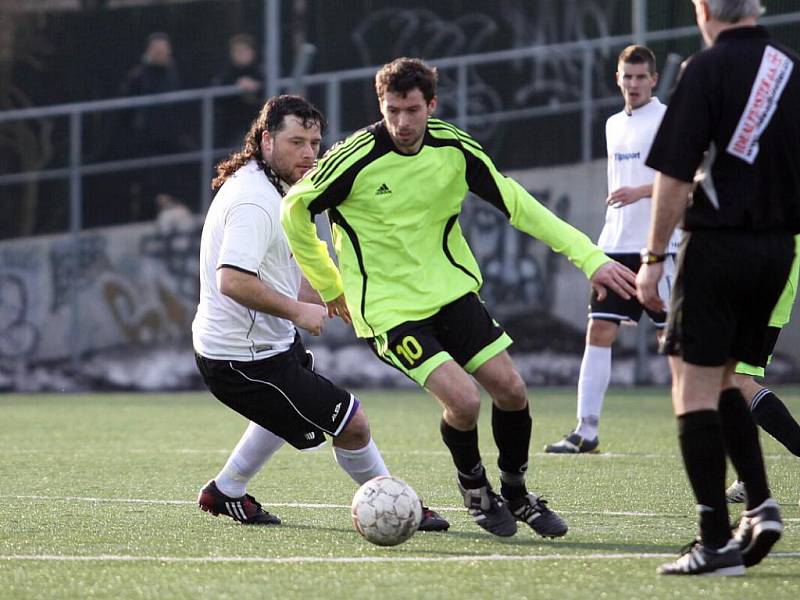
x=629, y=134
x=252, y=299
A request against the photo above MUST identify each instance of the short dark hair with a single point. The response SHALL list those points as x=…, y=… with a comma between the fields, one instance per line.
x=637, y=55
x=244, y=39
x=272, y=119
x=403, y=75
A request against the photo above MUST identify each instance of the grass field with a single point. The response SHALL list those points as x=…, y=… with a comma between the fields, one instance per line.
x=98, y=501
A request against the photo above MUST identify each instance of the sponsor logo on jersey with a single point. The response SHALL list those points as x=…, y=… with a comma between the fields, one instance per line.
x=773, y=74
x=383, y=189
x=626, y=155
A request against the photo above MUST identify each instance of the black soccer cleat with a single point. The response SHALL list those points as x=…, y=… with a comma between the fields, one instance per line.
x=573, y=443
x=488, y=510
x=432, y=521
x=245, y=509
x=758, y=530
x=697, y=559
x=532, y=509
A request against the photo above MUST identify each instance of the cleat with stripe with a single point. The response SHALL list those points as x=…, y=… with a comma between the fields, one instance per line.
x=488, y=510
x=432, y=521
x=696, y=559
x=573, y=443
x=758, y=530
x=245, y=509
x=533, y=510
x=736, y=494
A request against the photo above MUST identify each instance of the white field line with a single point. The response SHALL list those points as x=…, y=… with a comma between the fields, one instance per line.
x=313, y=506
x=349, y=559
x=389, y=452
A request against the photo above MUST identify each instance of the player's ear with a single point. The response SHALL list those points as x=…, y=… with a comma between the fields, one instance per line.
x=266, y=141
x=432, y=105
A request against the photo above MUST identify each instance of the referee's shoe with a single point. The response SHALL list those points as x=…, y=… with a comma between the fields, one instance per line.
x=758, y=530
x=244, y=509
x=697, y=559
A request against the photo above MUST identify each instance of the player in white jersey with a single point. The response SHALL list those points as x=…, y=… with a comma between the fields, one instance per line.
x=252, y=300
x=629, y=135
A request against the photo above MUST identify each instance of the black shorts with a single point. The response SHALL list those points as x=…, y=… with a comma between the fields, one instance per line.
x=616, y=309
x=282, y=394
x=462, y=331
x=726, y=286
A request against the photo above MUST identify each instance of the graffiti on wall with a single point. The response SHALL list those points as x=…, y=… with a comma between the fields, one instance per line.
x=518, y=271
x=540, y=80
x=133, y=285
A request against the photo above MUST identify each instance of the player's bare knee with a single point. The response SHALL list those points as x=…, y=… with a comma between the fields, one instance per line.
x=356, y=433
x=601, y=333
x=462, y=412
x=512, y=394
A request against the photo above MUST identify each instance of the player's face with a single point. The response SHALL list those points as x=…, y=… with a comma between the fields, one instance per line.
x=406, y=117
x=293, y=150
x=636, y=83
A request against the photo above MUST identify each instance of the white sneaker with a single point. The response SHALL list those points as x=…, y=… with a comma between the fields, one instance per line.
x=736, y=494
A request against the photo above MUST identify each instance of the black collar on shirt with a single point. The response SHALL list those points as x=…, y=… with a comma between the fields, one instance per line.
x=276, y=181
x=748, y=32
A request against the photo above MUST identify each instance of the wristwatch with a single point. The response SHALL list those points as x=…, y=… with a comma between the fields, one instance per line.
x=648, y=258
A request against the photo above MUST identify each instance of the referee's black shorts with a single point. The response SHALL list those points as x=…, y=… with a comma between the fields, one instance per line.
x=726, y=286
x=282, y=394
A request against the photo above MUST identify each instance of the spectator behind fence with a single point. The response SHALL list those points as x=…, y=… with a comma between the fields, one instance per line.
x=234, y=114
x=154, y=130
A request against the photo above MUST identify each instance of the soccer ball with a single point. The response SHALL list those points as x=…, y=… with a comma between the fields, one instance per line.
x=386, y=511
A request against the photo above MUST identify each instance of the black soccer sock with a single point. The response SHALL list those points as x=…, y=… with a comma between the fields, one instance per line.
x=512, y=434
x=773, y=417
x=703, y=450
x=463, y=446
x=741, y=442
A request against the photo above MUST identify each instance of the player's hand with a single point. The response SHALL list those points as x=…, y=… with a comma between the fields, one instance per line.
x=615, y=276
x=647, y=286
x=338, y=308
x=311, y=317
x=623, y=196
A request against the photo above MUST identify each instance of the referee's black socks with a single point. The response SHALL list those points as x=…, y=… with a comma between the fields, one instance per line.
x=463, y=446
x=741, y=442
x=703, y=450
x=773, y=417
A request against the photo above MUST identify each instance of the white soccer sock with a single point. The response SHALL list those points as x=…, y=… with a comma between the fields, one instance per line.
x=362, y=464
x=255, y=447
x=592, y=386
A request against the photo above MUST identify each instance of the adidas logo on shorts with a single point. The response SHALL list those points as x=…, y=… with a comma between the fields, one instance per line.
x=383, y=189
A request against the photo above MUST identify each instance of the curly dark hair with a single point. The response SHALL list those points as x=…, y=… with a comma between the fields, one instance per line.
x=271, y=119
x=403, y=75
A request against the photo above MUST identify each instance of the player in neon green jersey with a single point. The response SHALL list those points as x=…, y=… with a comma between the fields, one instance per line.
x=768, y=410
x=410, y=283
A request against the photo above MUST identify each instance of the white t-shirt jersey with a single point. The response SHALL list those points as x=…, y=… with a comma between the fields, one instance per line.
x=243, y=230
x=628, y=141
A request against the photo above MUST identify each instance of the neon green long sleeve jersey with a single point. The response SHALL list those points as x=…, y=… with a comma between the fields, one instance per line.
x=395, y=226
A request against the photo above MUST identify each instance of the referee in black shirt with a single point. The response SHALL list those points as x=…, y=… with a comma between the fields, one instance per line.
x=729, y=149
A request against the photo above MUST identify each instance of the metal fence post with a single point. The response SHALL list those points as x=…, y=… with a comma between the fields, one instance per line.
x=272, y=46
x=75, y=225
x=587, y=107
x=462, y=97
x=207, y=145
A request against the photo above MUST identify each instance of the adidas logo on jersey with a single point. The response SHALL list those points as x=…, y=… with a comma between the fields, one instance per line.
x=383, y=189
